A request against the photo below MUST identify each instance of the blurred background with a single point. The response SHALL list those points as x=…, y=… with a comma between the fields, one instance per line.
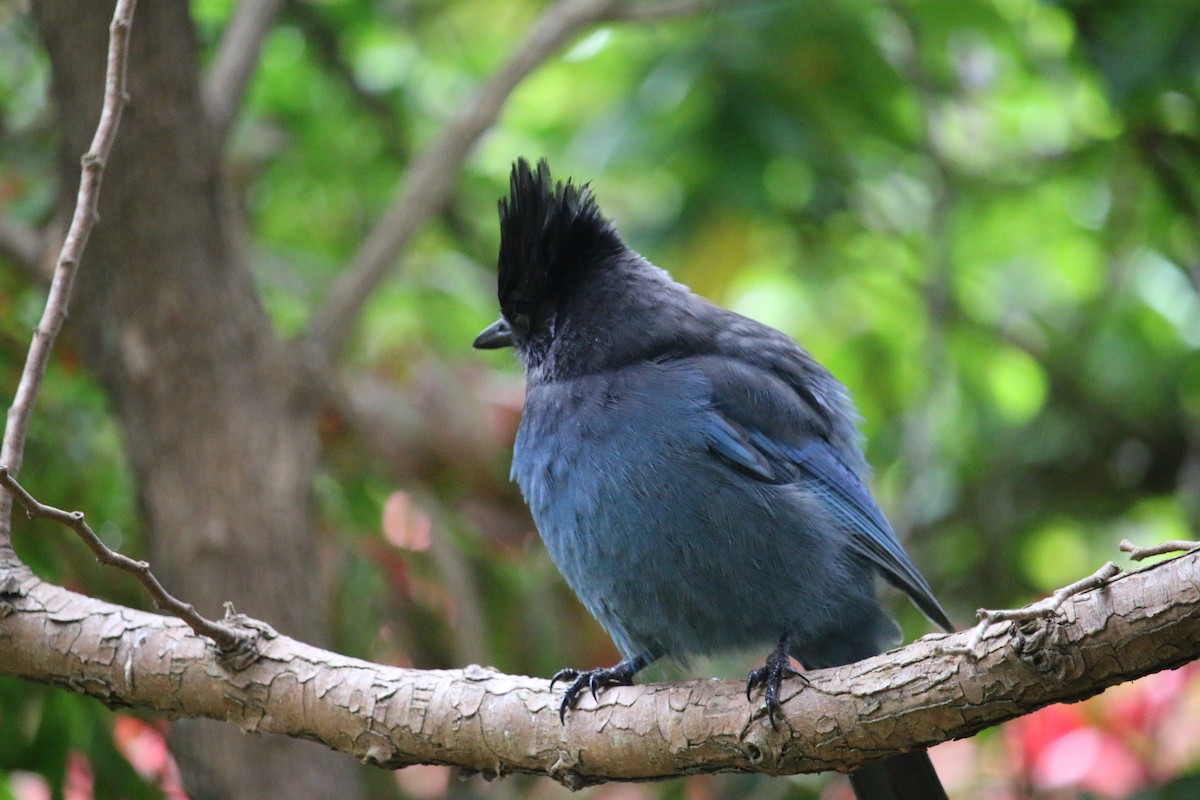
x=982, y=215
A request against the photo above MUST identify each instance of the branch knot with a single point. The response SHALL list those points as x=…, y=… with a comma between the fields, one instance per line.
x=1040, y=643
x=243, y=646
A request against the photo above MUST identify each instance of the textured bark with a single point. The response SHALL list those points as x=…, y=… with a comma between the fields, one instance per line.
x=217, y=414
x=482, y=720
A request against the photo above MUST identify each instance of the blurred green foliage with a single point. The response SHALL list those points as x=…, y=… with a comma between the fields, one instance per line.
x=983, y=215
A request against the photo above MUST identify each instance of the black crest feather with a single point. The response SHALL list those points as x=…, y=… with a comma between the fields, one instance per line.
x=549, y=233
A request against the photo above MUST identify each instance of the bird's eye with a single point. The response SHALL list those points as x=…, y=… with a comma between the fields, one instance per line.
x=520, y=323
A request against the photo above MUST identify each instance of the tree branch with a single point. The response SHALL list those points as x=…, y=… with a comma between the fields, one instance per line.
x=1162, y=548
x=231, y=641
x=237, y=56
x=481, y=720
x=13, y=449
x=1046, y=608
x=430, y=180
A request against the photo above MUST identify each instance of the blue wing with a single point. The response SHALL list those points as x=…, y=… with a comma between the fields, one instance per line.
x=761, y=426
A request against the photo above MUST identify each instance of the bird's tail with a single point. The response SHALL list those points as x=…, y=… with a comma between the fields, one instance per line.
x=908, y=776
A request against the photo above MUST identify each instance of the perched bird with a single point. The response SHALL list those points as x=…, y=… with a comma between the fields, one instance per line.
x=696, y=475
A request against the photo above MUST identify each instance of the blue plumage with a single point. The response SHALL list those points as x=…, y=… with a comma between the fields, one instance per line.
x=695, y=475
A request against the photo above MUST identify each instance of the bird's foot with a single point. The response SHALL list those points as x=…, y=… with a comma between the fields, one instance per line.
x=771, y=676
x=593, y=680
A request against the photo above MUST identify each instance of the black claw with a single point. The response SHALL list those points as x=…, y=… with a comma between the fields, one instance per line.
x=771, y=676
x=594, y=680
x=567, y=674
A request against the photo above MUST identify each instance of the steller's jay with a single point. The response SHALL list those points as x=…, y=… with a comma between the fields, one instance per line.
x=696, y=475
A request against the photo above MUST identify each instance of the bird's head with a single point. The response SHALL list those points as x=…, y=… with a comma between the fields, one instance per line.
x=551, y=236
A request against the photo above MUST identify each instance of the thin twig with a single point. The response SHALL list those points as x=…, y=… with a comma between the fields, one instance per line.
x=13, y=449
x=235, y=61
x=1043, y=609
x=430, y=180
x=228, y=639
x=1162, y=548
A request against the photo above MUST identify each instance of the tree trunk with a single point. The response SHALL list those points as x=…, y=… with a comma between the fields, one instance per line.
x=218, y=416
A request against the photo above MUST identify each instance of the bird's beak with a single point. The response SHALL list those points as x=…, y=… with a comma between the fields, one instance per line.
x=494, y=336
